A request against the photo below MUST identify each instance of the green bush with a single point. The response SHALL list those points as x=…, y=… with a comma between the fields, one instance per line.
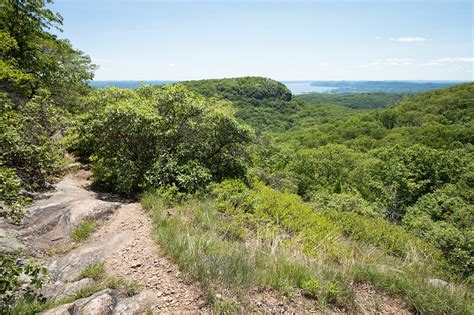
x=12, y=268
x=161, y=137
x=25, y=142
x=410, y=173
x=323, y=168
x=445, y=219
x=344, y=202
x=288, y=211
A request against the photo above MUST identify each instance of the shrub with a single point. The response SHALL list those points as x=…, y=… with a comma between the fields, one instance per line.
x=160, y=137
x=11, y=269
x=10, y=187
x=269, y=206
x=410, y=173
x=323, y=168
x=344, y=202
x=445, y=219
x=26, y=143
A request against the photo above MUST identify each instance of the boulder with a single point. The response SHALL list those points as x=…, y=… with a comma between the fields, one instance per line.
x=100, y=303
x=9, y=244
x=438, y=283
x=138, y=304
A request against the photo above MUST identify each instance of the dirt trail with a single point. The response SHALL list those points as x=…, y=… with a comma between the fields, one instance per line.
x=142, y=262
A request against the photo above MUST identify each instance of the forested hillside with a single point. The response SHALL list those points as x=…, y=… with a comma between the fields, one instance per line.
x=263, y=103
x=354, y=100
x=409, y=163
x=253, y=194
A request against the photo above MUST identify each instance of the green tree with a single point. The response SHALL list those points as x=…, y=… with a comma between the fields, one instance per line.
x=32, y=58
x=161, y=137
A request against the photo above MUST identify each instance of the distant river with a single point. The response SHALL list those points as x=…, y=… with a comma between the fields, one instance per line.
x=302, y=87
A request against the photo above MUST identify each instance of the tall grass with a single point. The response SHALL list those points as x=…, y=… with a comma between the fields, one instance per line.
x=231, y=252
x=196, y=238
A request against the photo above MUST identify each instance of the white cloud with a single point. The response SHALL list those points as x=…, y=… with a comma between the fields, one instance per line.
x=452, y=59
x=171, y=65
x=324, y=64
x=398, y=61
x=430, y=63
x=409, y=39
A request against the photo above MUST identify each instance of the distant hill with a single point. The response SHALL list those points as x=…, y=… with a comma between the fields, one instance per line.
x=381, y=86
x=263, y=103
x=237, y=89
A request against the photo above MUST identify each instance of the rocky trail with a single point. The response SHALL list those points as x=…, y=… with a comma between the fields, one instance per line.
x=123, y=242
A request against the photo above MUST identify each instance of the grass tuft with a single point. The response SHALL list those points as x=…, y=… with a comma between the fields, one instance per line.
x=84, y=230
x=95, y=271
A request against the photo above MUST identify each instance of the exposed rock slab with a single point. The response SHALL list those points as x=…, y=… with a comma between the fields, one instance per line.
x=124, y=242
x=53, y=219
x=69, y=266
x=59, y=290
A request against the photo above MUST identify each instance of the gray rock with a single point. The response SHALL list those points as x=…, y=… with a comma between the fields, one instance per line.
x=438, y=283
x=53, y=219
x=138, y=304
x=9, y=244
x=100, y=303
x=69, y=266
x=59, y=290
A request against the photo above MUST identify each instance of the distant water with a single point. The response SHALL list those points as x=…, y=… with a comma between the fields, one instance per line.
x=302, y=87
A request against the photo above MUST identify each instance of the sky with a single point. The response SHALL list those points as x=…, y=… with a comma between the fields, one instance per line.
x=283, y=40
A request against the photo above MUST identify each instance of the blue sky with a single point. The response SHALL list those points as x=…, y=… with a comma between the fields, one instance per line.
x=284, y=40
